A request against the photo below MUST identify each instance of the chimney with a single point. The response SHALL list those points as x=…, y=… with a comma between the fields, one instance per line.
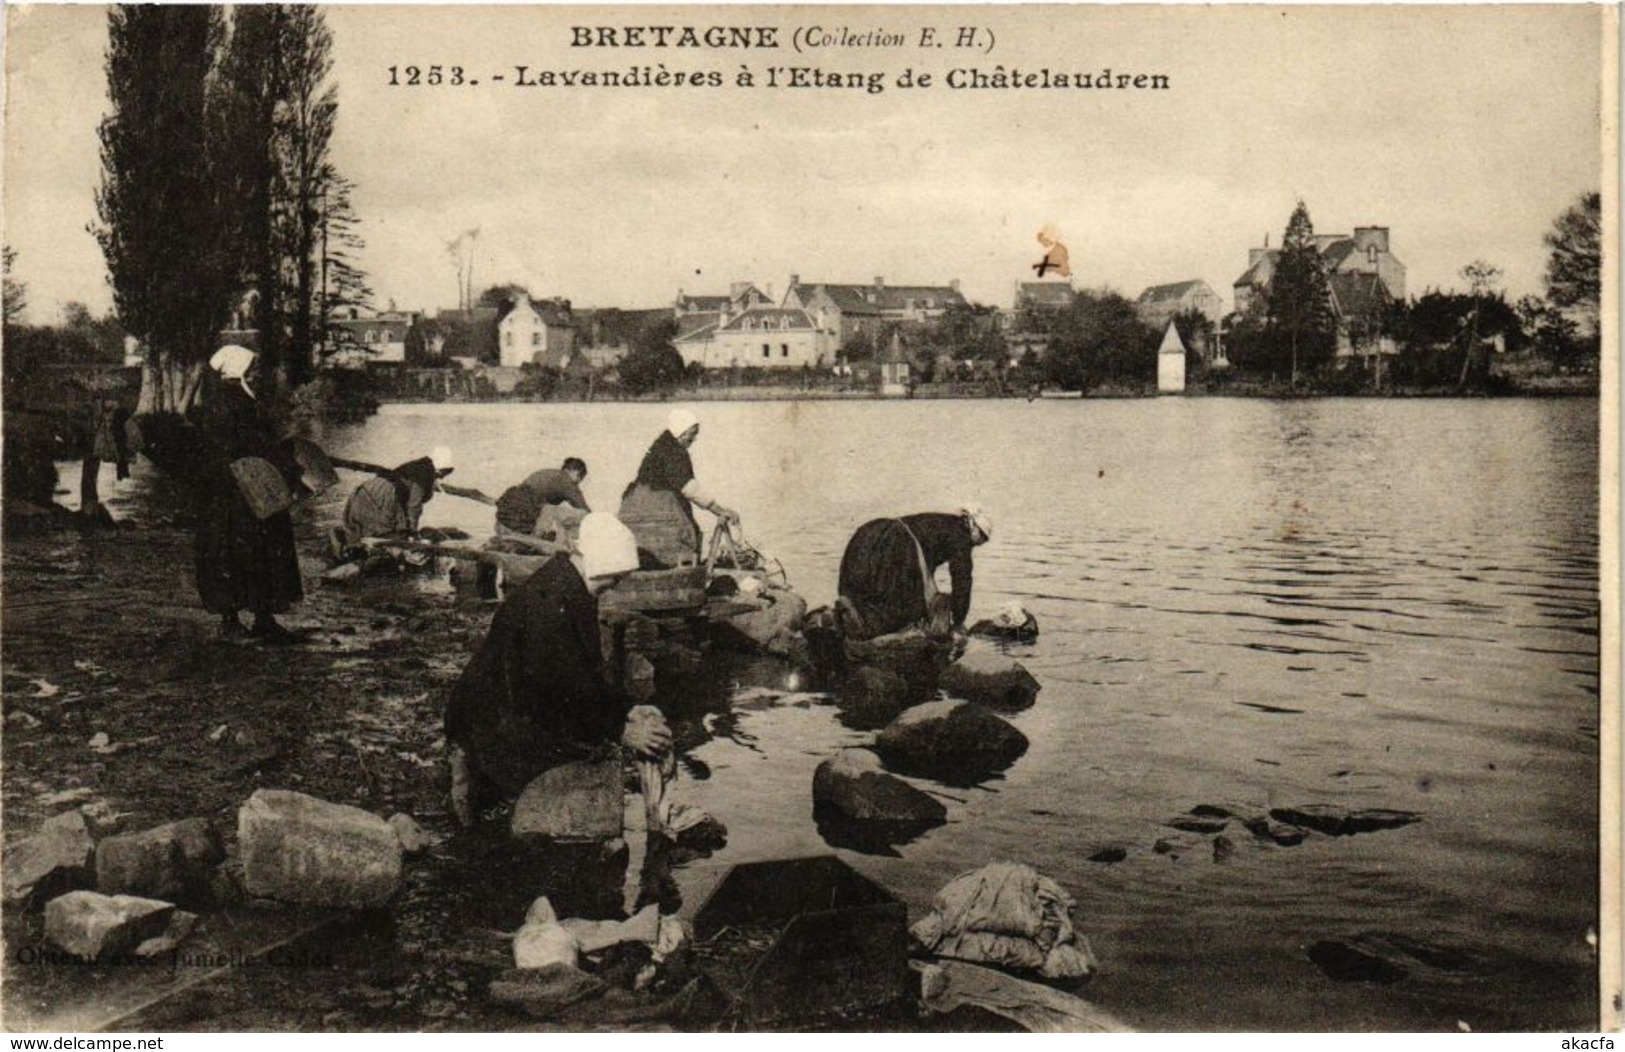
x=795, y=279
x=1256, y=254
x=880, y=283
x=954, y=284
x=1369, y=237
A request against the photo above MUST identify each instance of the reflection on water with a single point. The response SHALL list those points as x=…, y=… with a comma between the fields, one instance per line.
x=1245, y=604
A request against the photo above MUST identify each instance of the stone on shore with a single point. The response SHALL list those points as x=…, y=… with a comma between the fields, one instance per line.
x=853, y=785
x=414, y=839
x=1279, y=832
x=92, y=926
x=953, y=741
x=180, y=926
x=990, y=679
x=1339, y=821
x=174, y=861
x=574, y=801
x=54, y=860
x=295, y=848
x=544, y=992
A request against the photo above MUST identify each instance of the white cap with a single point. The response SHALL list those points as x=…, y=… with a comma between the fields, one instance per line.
x=679, y=421
x=976, y=515
x=232, y=361
x=606, y=546
x=1013, y=614
x=443, y=460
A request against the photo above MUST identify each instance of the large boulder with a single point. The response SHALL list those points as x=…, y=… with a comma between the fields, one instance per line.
x=298, y=849
x=173, y=861
x=93, y=926
x=55, y=859
x=772, y=622
x=853, y=786
x=952, y=741
x=573, y=801
x=871, y=697
x=990, y=679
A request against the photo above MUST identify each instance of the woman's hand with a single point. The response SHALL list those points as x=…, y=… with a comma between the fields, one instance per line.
x=646, y=732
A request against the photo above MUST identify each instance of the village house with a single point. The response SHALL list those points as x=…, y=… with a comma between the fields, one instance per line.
x=378, y=338
x=539, y=333
x=605, y=335
x=1367, y=252
x=1159, y=304
x=846, y=311
x=455, y=337
x=761, y=336
x=1360, y=303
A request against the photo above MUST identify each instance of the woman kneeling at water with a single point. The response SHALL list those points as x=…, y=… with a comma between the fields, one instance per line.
x=887, y=573
x=534, y=696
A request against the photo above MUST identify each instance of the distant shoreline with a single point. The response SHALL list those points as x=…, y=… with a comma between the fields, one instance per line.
x=1569, y=387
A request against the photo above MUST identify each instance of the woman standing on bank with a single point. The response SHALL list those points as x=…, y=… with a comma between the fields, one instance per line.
x=243, y=562
x=657, y=505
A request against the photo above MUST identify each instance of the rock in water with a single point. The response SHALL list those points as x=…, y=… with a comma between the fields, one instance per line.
x=853, y=786
x=872, y=697
x=1350, y=964
x=55, y=859
x=92, y=926
x=953, y=741
x=1195, y=823
x=1339, y=821
x=992, y=680
x=544, y=992
x=298, y=849
x=173, y=861
x=574, y=801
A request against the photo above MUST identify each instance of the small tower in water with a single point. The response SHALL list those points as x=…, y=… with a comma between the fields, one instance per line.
x=1171, y=363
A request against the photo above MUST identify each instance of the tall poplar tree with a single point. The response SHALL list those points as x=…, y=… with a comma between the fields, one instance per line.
x=163, y=215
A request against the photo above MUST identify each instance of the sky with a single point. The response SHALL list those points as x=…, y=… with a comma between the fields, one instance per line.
x=1465, y=130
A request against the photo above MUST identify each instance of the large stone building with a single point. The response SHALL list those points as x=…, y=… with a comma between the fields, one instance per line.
x=1366, y=252
x=846, y=311
x=765, y=337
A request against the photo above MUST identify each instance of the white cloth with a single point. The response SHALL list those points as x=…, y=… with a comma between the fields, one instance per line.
x=606, y=546
x=975, y=514
x=232, y=362
x=443, y=459
x=680, y=420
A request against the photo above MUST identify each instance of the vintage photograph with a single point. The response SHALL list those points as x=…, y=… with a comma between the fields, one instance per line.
x=810, y=518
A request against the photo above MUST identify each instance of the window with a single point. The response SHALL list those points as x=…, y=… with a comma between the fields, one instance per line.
x=507, y=339
x=767, y=350
x=1371, y=254
x=372, y=335
x=535, y=339
x=784, y=350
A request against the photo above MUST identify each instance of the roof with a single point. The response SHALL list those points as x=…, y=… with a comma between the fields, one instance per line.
x=699, y=332
x=613, y=326
x=878, y=299
x=1045, y=293
x=1253, y=275
x=1177, y=291
x=703, y=303
x=690, y=324
x=774, y=317
x=1358, y=296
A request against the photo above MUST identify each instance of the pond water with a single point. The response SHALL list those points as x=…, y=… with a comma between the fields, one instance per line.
x=1244, y=603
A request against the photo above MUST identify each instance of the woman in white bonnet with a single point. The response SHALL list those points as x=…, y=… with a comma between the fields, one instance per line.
x=244, y=563
x=657, y=505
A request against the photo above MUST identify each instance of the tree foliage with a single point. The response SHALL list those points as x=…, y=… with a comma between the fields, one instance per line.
x=15, y=294
x=1574, y=268
x=967, y=331
x=1300, y=299
x=1099, y=339
x=164, y=210
x=653, y=364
